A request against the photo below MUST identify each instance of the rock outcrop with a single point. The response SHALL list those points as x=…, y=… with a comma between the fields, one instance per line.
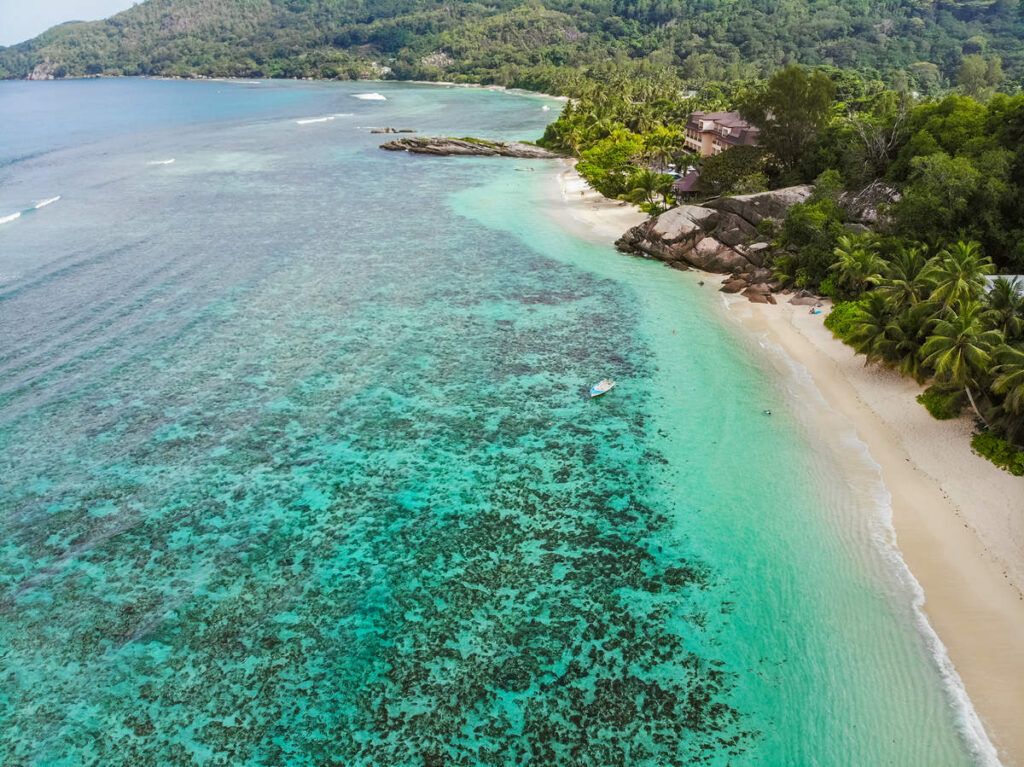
x=718, y=236
x=43, y=71
x=446, y=147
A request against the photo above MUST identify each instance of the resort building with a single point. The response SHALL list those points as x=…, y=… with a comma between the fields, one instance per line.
x=711, y=133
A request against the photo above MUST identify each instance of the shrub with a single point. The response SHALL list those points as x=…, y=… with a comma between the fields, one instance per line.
x=1000, y=452
x=828, y=287
x=767, y=227
x=840, y=319
x=811, y=230
x=943, y=404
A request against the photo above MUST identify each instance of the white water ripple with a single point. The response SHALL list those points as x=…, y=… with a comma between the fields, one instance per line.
x=883, y=535
x=328, y=118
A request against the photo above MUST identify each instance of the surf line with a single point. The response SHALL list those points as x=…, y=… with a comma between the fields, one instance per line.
x=37, y=206
x=311, y=120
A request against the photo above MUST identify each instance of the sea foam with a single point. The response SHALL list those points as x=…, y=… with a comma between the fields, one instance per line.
x=311, y=120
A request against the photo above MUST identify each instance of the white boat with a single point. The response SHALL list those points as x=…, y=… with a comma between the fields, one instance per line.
x=601, y=387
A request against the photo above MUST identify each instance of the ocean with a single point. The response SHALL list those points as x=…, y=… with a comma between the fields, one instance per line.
x=299, y=467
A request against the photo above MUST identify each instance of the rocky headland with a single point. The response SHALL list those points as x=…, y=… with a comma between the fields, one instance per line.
x=469, y=147
x=723, y=236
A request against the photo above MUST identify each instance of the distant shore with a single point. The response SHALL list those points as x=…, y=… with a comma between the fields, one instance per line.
x=959, y=520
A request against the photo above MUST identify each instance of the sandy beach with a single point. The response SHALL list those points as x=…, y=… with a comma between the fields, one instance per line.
x=958, y=519
x=592, y=212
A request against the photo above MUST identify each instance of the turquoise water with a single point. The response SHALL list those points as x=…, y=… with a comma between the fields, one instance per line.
x=298, y=466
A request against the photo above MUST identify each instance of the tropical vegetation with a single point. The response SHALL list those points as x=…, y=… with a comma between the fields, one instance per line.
x=541, y=44
x=937, y=314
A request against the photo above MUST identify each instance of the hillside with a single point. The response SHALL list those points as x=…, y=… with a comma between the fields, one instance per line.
x=526, y=43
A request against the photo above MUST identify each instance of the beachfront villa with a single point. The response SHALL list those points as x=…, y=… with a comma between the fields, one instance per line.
x=711, y=133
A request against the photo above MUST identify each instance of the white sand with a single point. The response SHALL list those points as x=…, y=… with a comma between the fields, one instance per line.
x=959, y=520
x=593, y=213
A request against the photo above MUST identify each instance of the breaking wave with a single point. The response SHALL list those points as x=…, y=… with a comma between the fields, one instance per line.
x=160, y=162
x=369, y=96
x=311, y=120
x=41, y=204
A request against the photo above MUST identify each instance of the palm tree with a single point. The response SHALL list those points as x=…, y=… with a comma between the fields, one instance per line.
x=1009, y=377
x=958, y=275
x=645, y=186
x=868, y=329
x=858, y=264
x=661, y=147
x=904, y=283
x=905, y=336
x=1006, y=308
x=959, y=348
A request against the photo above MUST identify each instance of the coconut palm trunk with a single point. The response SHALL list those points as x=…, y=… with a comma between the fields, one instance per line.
x=974, y=407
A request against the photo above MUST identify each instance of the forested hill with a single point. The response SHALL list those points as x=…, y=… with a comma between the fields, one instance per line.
x=529, y=43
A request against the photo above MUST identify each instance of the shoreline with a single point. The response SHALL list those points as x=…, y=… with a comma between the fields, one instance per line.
x=960, y=539
x=956, y=536
x=593, y=214
x=255, y=80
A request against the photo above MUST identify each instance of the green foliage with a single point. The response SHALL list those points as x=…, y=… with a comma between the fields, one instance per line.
x=792, y=110
x=942, y=403
x=828, y=287
x=961, y=170
x=529, y=44
x=473, y=140
x=935, y=317
x=999, y=451
x=840, y=319
x=811, y=232
x=858, y=265
x=979, y=78
x=609, y=165
x=741, y=170
x=648, y=189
